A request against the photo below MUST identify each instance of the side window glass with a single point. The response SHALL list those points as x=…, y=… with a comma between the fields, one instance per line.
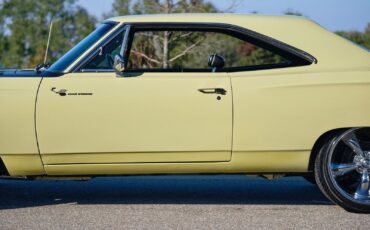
x=190, y=50
x=104, y=59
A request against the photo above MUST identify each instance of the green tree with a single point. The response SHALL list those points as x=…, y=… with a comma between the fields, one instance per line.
x=132, y=7
x=25, y=25
x=169, y=49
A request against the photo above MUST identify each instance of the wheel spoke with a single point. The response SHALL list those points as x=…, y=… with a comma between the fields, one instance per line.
x=342, y=169
x=362, y=191
x=351, y=141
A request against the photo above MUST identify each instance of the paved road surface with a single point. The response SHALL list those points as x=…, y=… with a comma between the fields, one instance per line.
x=171, y=202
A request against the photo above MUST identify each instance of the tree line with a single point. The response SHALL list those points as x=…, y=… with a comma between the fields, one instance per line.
x=24, y=26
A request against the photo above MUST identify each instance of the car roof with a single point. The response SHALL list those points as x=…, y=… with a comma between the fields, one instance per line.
x=300, y=32
x=195, y=17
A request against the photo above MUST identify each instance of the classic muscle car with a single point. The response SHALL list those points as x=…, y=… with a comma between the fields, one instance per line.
x=196, y=94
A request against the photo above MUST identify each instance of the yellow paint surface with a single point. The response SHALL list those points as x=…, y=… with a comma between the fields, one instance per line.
x=160, y=123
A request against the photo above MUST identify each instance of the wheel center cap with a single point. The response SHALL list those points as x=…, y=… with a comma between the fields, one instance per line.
x=362, y=162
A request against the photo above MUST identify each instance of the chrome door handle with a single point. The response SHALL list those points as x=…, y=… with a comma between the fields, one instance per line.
x=213, y=91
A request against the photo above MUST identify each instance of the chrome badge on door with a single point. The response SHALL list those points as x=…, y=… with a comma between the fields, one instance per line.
x=63, y=92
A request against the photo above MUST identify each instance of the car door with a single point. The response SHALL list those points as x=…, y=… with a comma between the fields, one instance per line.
x=152, y=113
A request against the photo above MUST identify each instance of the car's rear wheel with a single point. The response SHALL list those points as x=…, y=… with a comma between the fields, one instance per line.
x=342, y=169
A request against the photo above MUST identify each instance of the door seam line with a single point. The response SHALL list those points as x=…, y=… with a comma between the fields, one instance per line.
x=35, y=123
x=232, y=116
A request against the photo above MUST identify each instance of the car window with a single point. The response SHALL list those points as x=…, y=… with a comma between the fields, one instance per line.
x=190, y=50
x=104, y=58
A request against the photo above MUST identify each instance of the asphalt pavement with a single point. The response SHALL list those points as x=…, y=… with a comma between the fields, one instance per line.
x=171, y=202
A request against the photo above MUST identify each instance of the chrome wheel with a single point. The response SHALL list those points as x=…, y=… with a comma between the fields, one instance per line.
x=349, y=165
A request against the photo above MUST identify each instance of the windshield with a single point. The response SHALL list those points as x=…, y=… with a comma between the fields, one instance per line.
x=68, y=58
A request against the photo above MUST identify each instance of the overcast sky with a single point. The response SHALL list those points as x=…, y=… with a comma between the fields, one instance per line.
x=332, y=14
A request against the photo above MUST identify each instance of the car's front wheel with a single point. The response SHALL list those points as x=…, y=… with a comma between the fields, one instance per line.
x=342, y=169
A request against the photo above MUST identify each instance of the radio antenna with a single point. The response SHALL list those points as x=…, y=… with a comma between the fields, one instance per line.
x=47, y=46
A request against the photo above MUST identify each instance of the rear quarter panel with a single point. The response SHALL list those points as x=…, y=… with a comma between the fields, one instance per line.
x=288, y=109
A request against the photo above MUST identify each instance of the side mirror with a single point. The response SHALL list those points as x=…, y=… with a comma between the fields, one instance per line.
x=119, y=64
x=216, y=62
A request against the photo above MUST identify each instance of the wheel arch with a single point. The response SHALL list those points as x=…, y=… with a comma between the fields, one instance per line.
x=319, y=143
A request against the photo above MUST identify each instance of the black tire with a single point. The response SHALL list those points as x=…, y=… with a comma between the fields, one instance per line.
x=343, y=187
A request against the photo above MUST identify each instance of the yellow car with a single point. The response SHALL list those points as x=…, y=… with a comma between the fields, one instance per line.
x=196, y=94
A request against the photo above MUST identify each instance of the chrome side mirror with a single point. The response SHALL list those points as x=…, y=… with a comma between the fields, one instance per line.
x=119, y=64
